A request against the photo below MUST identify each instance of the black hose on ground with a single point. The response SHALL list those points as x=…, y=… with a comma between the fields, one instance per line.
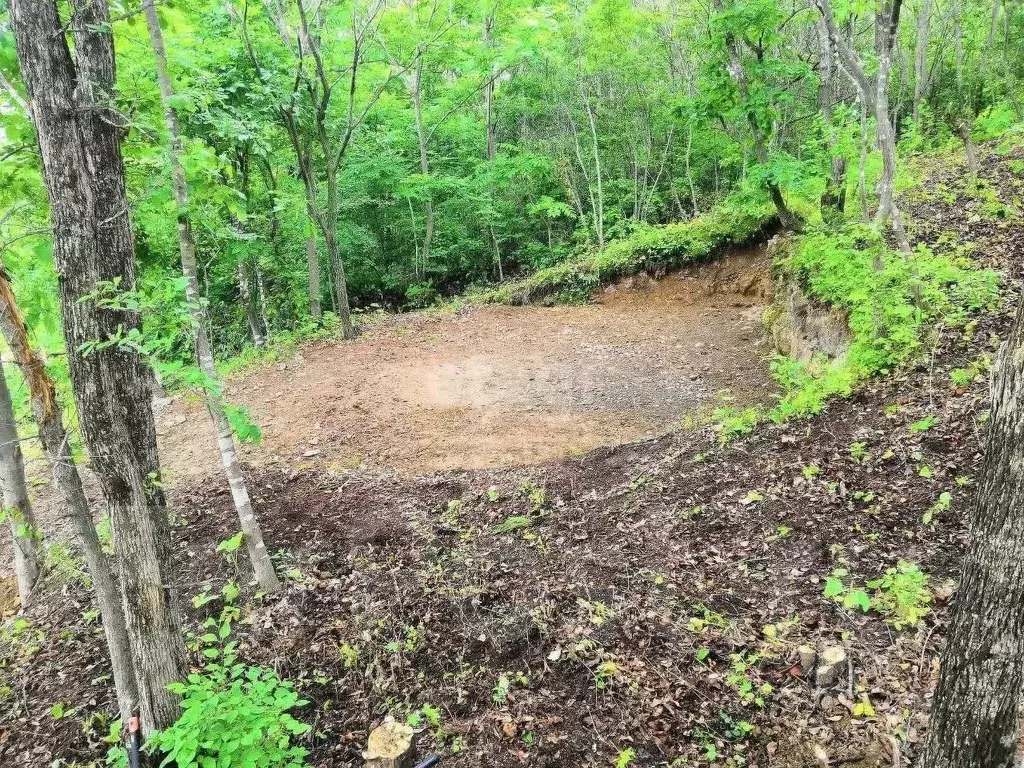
x=133, y=741
x=430, y=762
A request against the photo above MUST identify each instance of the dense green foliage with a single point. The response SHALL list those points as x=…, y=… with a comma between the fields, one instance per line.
x=233, y=715
x=530, y=134
x=889, y=300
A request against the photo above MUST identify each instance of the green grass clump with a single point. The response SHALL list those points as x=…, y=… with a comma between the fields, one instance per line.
x=890, y=300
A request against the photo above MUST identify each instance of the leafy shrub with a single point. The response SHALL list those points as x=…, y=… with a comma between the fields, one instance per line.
x=419, y=295
x=995, y=121
x=902, y=595
x=732, y=422
x=889, y=299
x=233, y=715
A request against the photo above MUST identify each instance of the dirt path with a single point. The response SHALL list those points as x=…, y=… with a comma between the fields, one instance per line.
x=503, y=386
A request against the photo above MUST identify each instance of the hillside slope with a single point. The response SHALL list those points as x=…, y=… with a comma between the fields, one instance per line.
x=647, y=600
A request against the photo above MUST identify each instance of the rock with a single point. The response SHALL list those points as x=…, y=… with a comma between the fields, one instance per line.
x=390, y=746
x=819, y=754
x=831, y=664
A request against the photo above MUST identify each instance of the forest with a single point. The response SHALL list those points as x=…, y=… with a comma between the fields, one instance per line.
x=612, y=382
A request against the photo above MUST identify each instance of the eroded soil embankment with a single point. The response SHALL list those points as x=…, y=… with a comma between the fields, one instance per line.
x=504, y=386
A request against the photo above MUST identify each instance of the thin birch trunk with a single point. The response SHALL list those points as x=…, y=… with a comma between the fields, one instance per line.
x=17, y=507
x=689, y=173
x=591, y=120
x=252, y=532
x=586, y=177
x=887, y=210
x=249, y=306
x=862, y=173
x=921, y=57
x=833, y=199
x=876, y=93
x=261, y=292
x=415, y=84
x=313, y=265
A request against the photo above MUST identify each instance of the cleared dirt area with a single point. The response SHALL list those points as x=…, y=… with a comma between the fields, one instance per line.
x=504, y=386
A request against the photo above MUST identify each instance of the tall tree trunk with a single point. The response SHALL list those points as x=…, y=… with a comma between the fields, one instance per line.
x=833, y=199
x=887, y=19
x=57, y=446
x=738, y=73
x=886, y=137
x=689, y=173
x=252, y=317
x=964, y=123
x=325, y=217
x=921, y=57
x=261, y=292
x=492, y=145
x=339, y=281
x=862, y=165
x=79, y=136
x=976, y=709
x=599, y=212
x=252, y=532
x=313, y=266
x=415, y=84
x=17, y=507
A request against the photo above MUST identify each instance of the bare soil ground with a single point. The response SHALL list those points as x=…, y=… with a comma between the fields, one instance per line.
x=560, y=613
x=503, y=386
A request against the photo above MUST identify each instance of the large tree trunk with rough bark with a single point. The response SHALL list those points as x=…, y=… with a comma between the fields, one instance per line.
x=57, y=446
x=17, y=507
x=79, y=133
x=251, y=530
x=977, y=705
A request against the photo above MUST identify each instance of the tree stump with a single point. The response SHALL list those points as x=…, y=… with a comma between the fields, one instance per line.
x=831, y=662
x=390, y=746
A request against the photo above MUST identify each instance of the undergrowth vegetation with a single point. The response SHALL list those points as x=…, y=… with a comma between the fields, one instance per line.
x=890, y=301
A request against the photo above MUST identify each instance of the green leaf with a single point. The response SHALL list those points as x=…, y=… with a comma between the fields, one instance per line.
x=858, y=598
x=245, y=429
x=833, y=587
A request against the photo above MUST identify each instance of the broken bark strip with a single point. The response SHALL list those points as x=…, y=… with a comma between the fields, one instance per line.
x=57, y=446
